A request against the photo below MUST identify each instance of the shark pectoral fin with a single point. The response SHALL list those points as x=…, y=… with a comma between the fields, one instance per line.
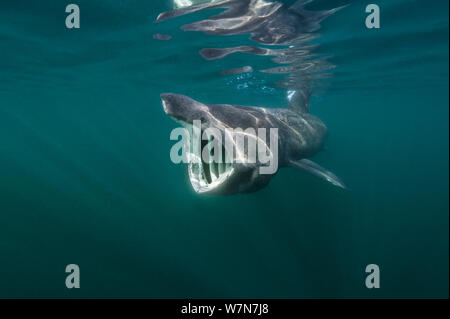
x=318, y=171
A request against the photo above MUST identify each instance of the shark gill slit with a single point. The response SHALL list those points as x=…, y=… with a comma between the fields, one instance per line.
x=212, y=168
x=205, y=165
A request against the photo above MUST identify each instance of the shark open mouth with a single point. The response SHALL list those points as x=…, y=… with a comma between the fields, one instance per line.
x=205, y=176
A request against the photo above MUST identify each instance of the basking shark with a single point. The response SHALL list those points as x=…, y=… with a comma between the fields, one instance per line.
x=300, y=136
x=287, y=34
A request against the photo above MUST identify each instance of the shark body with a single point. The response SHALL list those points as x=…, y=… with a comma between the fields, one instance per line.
x=300, y=135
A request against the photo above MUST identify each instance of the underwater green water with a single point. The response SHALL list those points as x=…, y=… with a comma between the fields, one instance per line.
x=86, y=177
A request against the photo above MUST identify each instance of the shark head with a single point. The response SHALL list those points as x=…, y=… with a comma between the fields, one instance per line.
x=184, y=110
x=228, y=175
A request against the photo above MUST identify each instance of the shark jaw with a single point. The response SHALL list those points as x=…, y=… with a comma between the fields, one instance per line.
x=205, y=177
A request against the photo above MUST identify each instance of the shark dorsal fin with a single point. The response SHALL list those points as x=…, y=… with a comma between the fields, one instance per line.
x=299, y=101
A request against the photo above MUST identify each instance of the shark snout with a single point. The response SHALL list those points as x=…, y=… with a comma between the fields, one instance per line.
x=168, y=102
x=180, y=107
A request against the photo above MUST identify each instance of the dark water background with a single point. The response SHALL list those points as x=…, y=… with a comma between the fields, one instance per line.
x=86, y=177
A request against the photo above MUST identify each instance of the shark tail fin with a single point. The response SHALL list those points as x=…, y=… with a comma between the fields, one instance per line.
x=318, y=171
